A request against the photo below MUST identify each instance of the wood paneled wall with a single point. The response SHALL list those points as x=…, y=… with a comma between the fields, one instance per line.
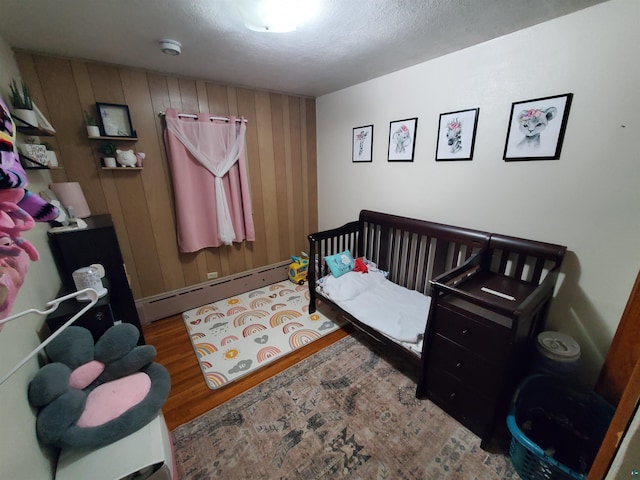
x=281, y=155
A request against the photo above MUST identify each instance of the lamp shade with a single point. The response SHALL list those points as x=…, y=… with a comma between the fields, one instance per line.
x=71, y=198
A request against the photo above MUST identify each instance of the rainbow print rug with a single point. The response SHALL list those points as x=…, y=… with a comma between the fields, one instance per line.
x=238, y=335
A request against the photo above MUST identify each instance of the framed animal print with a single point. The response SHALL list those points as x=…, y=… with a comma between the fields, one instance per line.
x=536, y=128
x=362, y=144
x=457, y=135
x=402, y=140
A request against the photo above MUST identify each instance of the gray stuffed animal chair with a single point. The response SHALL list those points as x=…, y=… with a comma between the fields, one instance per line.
x=91, y=395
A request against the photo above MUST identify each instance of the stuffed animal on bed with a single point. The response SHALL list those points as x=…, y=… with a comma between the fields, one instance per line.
x=93, y=395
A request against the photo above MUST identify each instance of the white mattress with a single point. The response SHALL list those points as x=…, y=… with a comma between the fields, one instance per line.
x=399, y=313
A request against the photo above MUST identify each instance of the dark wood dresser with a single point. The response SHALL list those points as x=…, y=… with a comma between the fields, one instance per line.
x=97, y=243
x=482, y=321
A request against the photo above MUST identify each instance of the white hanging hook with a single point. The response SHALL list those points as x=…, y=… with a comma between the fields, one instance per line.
x=93, y=298
x=53, y=305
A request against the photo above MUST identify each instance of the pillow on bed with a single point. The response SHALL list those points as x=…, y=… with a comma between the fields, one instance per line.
x=340, y=263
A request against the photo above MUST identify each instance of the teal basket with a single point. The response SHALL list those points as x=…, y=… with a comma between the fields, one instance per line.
x=556, y=429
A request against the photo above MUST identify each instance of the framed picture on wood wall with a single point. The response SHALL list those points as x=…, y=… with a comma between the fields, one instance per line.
x=402, y=140
x=115, y=120
x=536, y=128
x=362, y=146
x=457, y=135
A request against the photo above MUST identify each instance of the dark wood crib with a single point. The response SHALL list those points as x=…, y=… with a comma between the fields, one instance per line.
x=490, y=294
x=412, y=251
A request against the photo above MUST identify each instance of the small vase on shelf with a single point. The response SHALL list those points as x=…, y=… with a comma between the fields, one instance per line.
x=27, y=116
x=22, y=104
x=110, y=162
x=108, y=149
x=52, y=158
x=93, y=131
x=92, y=125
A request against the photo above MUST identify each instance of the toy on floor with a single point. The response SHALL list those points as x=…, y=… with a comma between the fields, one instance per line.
x=298, y=269
x=93, y=395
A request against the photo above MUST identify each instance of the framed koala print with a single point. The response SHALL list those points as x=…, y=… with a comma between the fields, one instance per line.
x=536, y=128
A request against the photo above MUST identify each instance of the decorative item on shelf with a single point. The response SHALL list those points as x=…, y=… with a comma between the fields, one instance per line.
x=109, y=149
x=126, y=158
x=22, y=104
x=52, y=158
x=116, y=120
x=35, y=153
x=140, y=156
x=92, y=125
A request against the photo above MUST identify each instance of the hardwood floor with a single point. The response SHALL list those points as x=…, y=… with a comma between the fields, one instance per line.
x=190, y=396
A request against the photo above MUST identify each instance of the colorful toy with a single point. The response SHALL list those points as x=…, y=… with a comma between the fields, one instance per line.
x=298, y=269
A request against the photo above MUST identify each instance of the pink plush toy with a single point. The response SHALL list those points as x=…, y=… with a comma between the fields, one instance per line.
x=17, y=210
x=15, y=251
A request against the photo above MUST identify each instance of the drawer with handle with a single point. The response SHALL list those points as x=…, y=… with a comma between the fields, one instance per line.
x=465, y=404
x=471, y=369
x=491, y=342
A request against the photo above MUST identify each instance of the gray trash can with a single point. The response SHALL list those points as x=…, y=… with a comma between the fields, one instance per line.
x=556, y=354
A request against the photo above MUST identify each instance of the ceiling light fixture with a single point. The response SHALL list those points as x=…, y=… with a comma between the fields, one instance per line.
x=170, y=47
x=276, y=16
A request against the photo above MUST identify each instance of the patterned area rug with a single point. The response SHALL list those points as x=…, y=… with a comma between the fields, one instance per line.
x=341, y=413
x=235, y=336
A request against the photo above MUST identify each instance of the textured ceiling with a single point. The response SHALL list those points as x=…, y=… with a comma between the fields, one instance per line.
x=348, y=42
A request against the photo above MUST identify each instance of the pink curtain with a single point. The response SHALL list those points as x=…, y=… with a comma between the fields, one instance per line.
x=210, y=181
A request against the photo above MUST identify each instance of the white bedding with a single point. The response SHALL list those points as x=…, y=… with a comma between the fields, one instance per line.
x=398, y=312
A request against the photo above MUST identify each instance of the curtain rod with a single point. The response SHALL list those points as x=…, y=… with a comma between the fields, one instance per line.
x=212, y=117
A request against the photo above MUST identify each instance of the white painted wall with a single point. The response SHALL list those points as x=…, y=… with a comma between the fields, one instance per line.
x=21, y=456
x=589, y=200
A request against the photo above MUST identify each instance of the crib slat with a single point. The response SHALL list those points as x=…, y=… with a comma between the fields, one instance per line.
x=520, y=267
x=537, y=271
x=456, y=256
x=502, y=266
x=404, y=257
x=425, y=275
x=392, y=263
x=383, y=247
x=415, y=248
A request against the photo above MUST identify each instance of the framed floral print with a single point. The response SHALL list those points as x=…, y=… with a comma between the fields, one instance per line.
x=362, y=145
x=536, y=128
x=402, y=140
x=457, y=135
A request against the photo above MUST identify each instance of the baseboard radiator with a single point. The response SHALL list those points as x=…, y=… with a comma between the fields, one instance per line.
x=164, y=305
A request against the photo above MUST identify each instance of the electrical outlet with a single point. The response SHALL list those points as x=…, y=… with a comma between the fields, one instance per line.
x=212, y=275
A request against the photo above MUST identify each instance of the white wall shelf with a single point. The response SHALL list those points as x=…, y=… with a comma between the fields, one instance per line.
x=121, y=139
x=122, y=168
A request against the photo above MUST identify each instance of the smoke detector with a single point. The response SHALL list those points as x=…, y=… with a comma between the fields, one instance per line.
x=170, y=47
